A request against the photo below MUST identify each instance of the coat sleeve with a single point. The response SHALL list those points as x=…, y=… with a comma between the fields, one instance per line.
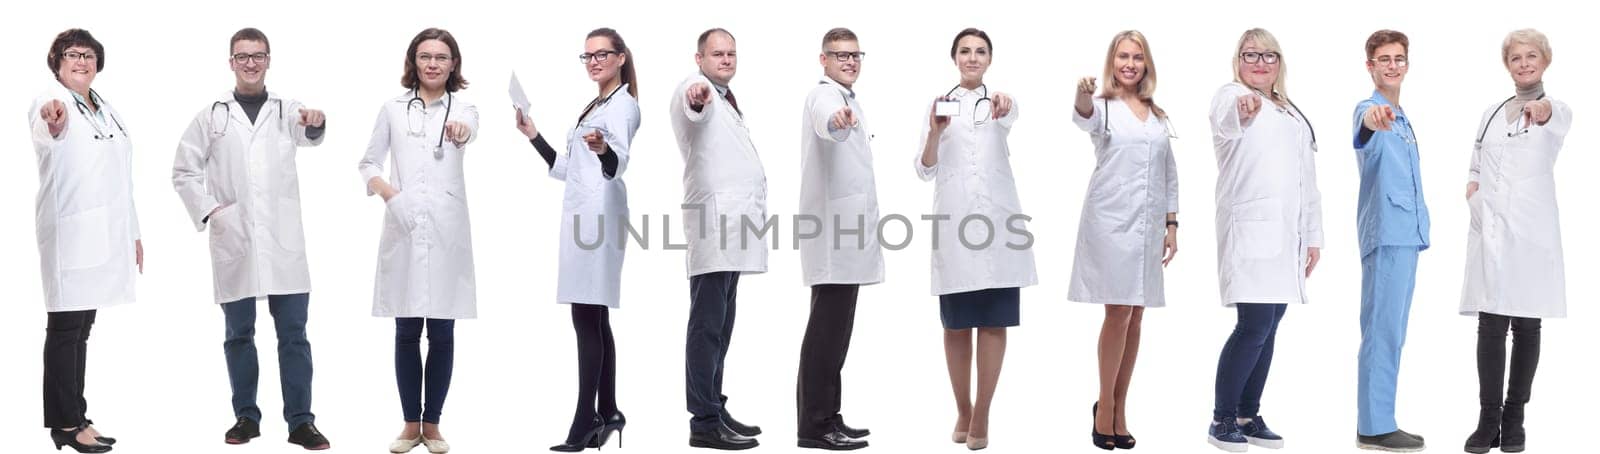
x=1225, y=123
x=1095, y=125
x=1310, y=201
x=620, y=126
x=43, y=142
x=1560, y=121
x=1172, y=177
x=469, y=117
x=823, y=102
x=371, y=165
x=1011, y=116
x=189, y=171
x=300, y=133
x=926, y=173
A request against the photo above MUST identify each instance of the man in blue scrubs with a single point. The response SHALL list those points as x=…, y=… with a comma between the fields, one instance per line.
x=1393, y=224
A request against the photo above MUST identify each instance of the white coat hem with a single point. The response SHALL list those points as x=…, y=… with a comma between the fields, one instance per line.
x=260, y=295
x=1117, y=302
x=723, y=269
x=1473, y=312
x=88, y=307
x=813, y=283
x=974, y=288
x=1238, y=301
x=425, y=315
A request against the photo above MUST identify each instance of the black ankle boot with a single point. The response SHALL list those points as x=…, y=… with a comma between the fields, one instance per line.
x=1488, y=434
x=1512, y=437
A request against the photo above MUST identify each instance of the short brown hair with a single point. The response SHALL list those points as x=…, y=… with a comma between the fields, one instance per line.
x=410, y=79
x=837, y=34
x=249, y=34
x=1382, y=38
x=75, y=37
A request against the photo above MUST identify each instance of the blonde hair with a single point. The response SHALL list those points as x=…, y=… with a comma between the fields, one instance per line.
x=1527, y=36
x=1267, y=43
x=1147, y=84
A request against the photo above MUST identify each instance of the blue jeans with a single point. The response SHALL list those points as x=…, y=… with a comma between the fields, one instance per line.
x=409, y=370
x=1388, y=277
x=294, y=356
x=1246, y=359
x=711, y=314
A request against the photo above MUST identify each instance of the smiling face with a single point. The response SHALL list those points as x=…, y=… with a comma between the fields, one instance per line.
x=1526, y=64
x=1259, y=75
x=249, y=75
x=434, y=63
x=1129, y=64
x=844, y=72
x=972, y=59
x=601, y=71
x=1388, y=66
x=78, y=68
x=719, y=59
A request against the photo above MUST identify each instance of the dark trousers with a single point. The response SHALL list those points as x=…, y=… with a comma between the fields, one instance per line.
x=1246, y=358
x=410, y=372
x=66, y=340
x=1492, y=360
x=711, y=313
x=597, y=368
x=289, y=313
x=822, y=354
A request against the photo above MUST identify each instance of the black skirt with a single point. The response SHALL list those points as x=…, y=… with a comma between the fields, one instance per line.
x=987, y=308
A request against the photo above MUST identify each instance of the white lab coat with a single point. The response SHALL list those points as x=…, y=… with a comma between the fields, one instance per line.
x=594, y=205
x=425, y=255
x=837, y=188
x=1514, y=261
x=1123, y=226
x=722, y=174
x=248, y=169
x=85, y=218
x=973, y=178
x=1268, y=207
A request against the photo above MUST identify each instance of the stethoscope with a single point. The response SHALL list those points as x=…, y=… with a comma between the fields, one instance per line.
x=1496, y=112
x=1302, y=115
x=421, y=108
x=83, y=109
x=1105, y=112
x=977, y=120
x=227, y=111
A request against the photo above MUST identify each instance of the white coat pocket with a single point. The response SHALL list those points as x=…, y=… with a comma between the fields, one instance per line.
x=1258, y=229
x=227, y=234
x=84, y=239
x=403, y=210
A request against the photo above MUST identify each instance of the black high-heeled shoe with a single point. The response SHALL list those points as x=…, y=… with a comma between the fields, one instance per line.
x=613, y=423
x=103, y=440
x=1123, y=441
x=1102, y=441
x=582, y=441
x=70, y=438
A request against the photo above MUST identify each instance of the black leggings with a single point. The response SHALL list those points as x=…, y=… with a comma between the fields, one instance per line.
x=1492, y=359
x=597, y=368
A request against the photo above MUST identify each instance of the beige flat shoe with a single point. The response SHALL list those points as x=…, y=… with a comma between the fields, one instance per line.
x=975, y=443
x=436, y=446
x=958, y=437
x=404, y=446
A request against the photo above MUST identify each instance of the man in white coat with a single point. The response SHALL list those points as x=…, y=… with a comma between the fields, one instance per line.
x=724, y=196
x=235, y=171
x=838, y=192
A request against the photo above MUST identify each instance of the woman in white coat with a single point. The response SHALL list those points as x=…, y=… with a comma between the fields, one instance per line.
x=978, y=283
x=425, y=272
x=88, y=232
x=1515, y=274
x=1269, y=228
x=1129, y=227
x=594, y=208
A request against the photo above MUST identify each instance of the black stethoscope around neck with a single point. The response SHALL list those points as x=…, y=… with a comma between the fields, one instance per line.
x=421, y=107
x=227, y=112
x=1485, y=131
x=83, y=109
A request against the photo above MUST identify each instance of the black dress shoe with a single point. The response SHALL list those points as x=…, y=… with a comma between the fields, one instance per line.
x=307, y=436
x=103, y=440
x=70, y=438
x=833, y=441
x=739, y=427
x=722, y=438
x=242, y=431
x=852, y=432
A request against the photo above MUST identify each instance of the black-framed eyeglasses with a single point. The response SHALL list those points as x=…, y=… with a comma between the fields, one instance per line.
x=76, y=56
x=258, y=58
x=597, y=57
x=1270, y=58
x=846, y=56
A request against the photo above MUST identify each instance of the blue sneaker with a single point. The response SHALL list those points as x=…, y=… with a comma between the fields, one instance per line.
x=1257, y=432
x=1225, y=435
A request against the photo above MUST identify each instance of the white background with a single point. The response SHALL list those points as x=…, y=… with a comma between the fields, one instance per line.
x=157, y=378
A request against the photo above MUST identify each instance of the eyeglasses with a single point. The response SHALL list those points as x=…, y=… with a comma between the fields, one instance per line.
x=1398, y=60
x=1270, y=58
x=242, y=58
x=846, y=56
x=76, y=56
x=443, y=59
x=597, y=57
